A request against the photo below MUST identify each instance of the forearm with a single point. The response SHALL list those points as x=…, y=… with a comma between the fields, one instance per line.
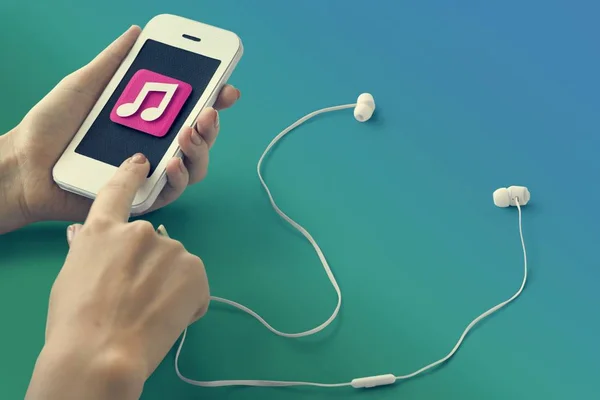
x=11, y=215
x=68, y=374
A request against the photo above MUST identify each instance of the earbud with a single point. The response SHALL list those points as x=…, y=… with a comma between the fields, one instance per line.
x=365, y=107
x=505, y=197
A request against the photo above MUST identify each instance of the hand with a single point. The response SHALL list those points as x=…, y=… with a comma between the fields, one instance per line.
x=34, y=146
x=121, y=300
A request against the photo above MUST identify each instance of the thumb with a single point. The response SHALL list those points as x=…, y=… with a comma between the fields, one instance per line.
x=72, y=231
x=79, y=91
x=93, y=77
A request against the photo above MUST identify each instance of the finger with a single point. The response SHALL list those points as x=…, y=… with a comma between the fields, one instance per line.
x=196, y=142
x=195, y=149
x=72, y=231
x=227, y=97
x=93, y=77
x=177, y=180
x=207, y=126
x=114, y=200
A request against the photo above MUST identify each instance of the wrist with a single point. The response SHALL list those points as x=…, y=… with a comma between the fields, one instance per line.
x=70, y=373
x=12, y=210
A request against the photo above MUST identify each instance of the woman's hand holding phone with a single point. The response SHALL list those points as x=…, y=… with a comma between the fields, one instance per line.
x=121, y=300
x=29, y=151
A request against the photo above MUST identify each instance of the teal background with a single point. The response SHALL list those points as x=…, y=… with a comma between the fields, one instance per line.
x=471, y=96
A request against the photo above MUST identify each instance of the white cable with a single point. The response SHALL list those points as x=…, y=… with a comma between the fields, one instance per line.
x=485, y=314
x=365, y=382
x=300, y=229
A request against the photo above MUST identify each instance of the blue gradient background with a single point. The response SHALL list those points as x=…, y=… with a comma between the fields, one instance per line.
x=471, y=96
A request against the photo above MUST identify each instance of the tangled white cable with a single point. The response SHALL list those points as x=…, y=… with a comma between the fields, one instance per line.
x=363, y=110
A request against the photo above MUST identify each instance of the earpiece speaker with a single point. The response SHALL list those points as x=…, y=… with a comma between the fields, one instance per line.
x=506, y=197
x=365, y=107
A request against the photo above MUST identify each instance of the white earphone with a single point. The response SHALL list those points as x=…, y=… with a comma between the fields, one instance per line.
x=363, y=110
x=365, y=107
x=510, y=196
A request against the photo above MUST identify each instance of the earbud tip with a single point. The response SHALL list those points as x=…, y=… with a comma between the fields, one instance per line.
x=365, y=107
x=366, y=98
x=501, y=197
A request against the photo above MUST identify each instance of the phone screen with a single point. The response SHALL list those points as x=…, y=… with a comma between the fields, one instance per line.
x=149, y=106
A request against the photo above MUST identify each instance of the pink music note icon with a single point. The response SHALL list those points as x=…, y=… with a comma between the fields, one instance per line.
x=150, y=102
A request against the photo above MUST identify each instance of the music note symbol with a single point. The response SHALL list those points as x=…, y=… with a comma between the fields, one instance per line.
x=152, y=113
x=143, y=92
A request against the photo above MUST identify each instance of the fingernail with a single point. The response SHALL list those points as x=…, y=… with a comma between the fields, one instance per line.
x=72, y=231
x=239, y=93
x=196, y=138
x=139, y=158
x=216, y=119
x=181, y=165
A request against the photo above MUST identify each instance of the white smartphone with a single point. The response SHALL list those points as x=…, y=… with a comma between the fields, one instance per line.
x=176, y=68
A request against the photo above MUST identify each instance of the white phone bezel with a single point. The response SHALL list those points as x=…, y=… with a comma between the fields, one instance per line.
x=85, y=176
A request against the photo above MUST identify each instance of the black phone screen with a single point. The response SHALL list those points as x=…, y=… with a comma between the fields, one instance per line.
x=149, y=106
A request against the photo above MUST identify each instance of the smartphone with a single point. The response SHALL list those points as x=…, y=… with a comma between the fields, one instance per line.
x=176, y=68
